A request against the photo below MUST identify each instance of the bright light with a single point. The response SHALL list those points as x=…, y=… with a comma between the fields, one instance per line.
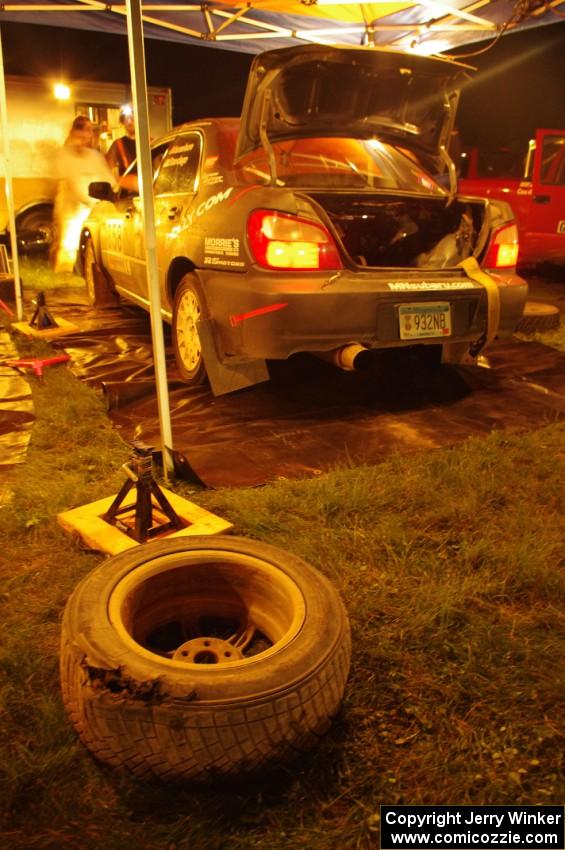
x=429, y=48
x=61, y=91
x=126, y=110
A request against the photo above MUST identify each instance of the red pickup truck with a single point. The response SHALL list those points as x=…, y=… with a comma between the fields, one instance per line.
x=533, y=185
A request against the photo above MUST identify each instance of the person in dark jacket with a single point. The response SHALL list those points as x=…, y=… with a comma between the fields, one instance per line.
x=122, y=150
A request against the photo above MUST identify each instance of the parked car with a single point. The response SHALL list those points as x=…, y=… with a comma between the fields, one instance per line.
x=318, y=222
x=533, y=183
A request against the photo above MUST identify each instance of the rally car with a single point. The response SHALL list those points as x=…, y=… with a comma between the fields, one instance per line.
x=324, y=220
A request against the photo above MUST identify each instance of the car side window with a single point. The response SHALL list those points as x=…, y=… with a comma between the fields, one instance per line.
x=129, y=181
x=179, y=166
x=553, y=161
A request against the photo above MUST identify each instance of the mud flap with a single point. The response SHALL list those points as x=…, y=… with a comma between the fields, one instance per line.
x=104, y=295
x=233, y=373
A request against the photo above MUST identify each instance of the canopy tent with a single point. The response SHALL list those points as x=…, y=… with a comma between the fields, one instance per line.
x=423, y=26
x=426, y=26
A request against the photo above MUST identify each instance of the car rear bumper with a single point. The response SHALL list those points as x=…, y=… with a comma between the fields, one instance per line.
x=273, y=316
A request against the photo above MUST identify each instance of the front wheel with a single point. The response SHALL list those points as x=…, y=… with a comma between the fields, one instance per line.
x=35, y=229
x=189, y=308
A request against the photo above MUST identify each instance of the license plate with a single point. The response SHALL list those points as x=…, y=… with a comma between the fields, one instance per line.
x=430, y=319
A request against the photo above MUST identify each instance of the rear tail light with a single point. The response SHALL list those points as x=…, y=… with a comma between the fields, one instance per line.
x=503, y=248
x=282, y=241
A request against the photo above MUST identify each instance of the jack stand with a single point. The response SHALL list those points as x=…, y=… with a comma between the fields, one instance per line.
x=42, y=317
x=136, y=520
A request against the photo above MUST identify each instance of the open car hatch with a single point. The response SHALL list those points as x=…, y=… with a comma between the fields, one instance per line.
x=316, y=90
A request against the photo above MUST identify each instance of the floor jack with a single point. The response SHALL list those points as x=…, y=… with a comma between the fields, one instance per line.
x=142, y=520
x=35, y=363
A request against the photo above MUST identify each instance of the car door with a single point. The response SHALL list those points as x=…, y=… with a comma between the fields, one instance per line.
x=546, y=230
x=123, y=241
x=174, y=188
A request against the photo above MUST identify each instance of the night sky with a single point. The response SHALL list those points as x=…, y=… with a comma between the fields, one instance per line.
x=519, y=85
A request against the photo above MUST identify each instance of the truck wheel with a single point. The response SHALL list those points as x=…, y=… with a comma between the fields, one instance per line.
x=539, y=317
x=189, y=307
x=35, y=229
x=203, y=658
x=99, y=292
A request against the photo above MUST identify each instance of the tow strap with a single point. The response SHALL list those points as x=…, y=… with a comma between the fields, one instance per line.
x=472, y=269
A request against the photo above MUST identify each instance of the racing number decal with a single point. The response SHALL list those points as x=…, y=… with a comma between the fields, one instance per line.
x=115, y=235
x=561, y=226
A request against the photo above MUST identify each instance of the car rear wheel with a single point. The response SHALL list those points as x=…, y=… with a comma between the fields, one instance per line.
x=203, y=658
x=189, y=308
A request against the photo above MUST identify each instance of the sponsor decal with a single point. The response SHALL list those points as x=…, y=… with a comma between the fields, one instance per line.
x=412, y=286
x=223, y=261
x=215, y=245
x=212, y=179
x=172, y=161
x=209, y=204
x=561, y=226
x=175, y=149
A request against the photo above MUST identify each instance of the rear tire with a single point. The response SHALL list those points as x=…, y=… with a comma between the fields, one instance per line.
x=189, y=307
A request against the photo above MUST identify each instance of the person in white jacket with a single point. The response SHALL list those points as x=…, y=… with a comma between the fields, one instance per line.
x=78, y=165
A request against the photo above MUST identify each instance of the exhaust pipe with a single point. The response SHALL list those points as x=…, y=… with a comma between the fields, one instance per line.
x=350, y=357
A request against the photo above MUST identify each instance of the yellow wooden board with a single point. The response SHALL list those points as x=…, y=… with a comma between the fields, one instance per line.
x=86, y=522
x=63, y=327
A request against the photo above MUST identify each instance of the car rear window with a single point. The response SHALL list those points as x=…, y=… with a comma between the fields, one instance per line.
x=338, y=163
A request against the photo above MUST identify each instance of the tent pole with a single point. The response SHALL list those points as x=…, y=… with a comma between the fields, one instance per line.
x=145, y=175
x=9, y=187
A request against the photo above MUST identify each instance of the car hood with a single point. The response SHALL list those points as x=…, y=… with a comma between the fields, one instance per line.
x=317, y=90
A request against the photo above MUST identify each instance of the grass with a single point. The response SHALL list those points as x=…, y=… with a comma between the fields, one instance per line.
x=450, y=565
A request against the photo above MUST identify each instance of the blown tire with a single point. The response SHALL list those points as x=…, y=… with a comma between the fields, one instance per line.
x=203, y=658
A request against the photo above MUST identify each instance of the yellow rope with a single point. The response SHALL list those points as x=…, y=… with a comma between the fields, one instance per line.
x=472, y=269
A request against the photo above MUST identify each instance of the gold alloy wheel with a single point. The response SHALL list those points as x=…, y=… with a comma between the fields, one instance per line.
x=188, y=341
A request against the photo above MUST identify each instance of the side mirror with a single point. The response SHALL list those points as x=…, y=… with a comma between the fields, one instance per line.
x=102, y=191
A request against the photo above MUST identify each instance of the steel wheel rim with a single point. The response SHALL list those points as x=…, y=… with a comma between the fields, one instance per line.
x=265, y=604
x=188, y=340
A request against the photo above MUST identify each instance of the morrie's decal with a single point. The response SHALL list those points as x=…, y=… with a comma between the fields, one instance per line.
x=408, y=285
x=561, y=226
x=216, y=245
x=212, y=201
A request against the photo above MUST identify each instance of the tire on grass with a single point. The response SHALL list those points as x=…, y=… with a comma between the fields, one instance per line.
x=539, y=317
x=203, y=658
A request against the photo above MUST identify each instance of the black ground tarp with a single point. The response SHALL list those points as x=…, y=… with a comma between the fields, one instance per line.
x=309, y=418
